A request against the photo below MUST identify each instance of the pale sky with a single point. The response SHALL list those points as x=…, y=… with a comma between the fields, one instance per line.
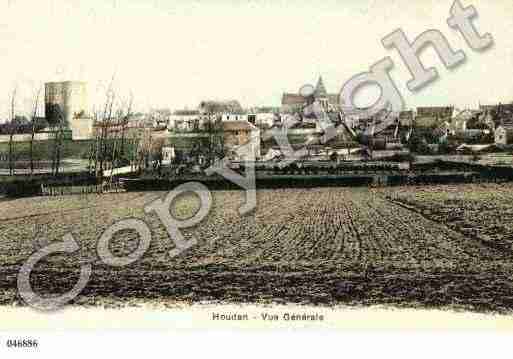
x=177, y=53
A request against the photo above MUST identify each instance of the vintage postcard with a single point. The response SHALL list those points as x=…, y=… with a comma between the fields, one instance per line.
x=255, y=164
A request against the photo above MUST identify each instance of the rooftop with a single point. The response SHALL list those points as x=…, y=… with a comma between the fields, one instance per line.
x=238, y=126
x=438, y=111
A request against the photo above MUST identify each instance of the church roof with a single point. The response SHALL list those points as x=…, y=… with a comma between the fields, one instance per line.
x=292, y=99
x=320, y=90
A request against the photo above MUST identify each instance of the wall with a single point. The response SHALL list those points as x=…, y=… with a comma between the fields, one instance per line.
x=302, y=131
x=25, y=137
x=250, y=140
x=265, y=119
x=82, y=128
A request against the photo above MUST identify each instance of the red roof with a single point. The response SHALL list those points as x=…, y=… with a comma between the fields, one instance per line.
x=292, y=99
x=238, y=126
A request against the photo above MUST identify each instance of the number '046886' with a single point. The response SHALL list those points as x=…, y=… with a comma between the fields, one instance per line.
x=22, y=343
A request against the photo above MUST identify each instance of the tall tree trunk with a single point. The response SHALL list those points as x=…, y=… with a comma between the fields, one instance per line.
x=11, y=133
x=34, y=114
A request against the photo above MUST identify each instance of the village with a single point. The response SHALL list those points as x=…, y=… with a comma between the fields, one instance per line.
x=165, y=143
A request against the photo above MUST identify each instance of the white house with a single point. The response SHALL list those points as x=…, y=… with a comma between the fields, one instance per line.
x=504, y=134
x=232, y=117
x=168, y=154
x=262, y=119
x=186, y=121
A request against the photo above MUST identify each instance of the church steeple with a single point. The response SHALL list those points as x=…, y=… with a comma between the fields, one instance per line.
x=320, y=90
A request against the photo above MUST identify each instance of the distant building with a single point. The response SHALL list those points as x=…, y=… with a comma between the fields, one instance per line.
x=168, y=154
x=474, y=136
x=230, y=116
x=488, y=120
x=428, y=122
x=220, y=107
x=257, y=119
x=436, y=111
x=67, y=102
x=496, y=115
x=241, y=140
x=266, y=119
x=505, y=108
x=291, y=101
x=406, y=118
x=160, y=118
x=442, y=132
x=185, y=121
x=504, y=134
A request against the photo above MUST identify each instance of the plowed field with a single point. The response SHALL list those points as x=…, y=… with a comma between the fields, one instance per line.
x=396, y=246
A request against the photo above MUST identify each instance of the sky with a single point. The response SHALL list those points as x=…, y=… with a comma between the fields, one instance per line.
x=177, y=53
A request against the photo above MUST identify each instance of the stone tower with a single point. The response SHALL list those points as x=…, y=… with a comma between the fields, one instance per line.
x=67, y=101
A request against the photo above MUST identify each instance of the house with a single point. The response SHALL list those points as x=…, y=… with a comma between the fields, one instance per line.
x=442, y=131
x=262, y=119
x=436, y=111
x=498, y=114
x=430, y=117
x=504, y=134
x=500, y=108
x=463, y=119
x=474, y=136
x=168, y=154
x=241, y=140
x=184, y=120
x=228, y=116
x=139, y=120
x=160, y=118
x=406, y=118
x=488, y=120
x=428, y=122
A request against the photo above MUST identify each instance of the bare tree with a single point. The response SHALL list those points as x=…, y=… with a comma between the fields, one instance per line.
x=109, y=148
x=119, y=133
x=144, y=149
x=58, y=140
x=33, y=131
x=156, y=153
x=102, y=125
x=12, y=131
x=215, y=145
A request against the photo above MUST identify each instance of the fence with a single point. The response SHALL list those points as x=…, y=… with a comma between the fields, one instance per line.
x=62, y=190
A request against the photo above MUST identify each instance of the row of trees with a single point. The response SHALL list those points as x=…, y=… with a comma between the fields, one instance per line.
x=20, y=124
x=112, y=146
